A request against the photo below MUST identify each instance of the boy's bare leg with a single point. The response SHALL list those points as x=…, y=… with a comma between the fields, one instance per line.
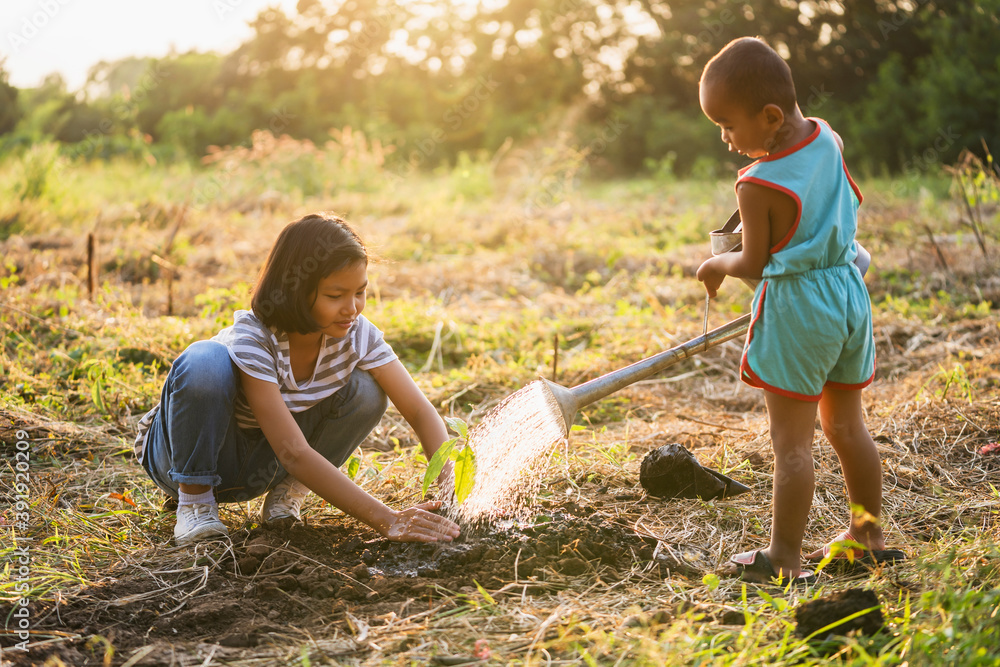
x=793, y=425
x=842, y=417
x=194, y=489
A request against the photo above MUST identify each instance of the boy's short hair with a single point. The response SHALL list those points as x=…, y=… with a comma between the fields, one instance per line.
x=753, y=74
x=305, y=252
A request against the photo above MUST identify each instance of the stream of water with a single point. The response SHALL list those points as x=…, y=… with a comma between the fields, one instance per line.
x=511, y=444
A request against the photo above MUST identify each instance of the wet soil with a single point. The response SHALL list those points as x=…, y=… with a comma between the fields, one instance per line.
x=319, y=576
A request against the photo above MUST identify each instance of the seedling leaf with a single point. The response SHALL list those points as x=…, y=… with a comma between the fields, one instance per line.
x=482, y=591
x=353, y=465
x=465, y=473
x=436, y=464
x=458, y=426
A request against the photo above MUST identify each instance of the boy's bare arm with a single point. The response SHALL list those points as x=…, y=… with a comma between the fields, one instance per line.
x=756, y=203
x=840, y=142
x=757, y=208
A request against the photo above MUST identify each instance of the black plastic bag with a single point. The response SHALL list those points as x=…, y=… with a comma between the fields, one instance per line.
x=671, y=471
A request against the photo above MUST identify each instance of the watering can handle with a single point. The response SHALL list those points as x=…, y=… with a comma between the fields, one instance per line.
x=704, y=326
x=734, y=223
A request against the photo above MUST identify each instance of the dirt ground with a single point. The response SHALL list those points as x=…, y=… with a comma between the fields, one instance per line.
x=334, y=586
x=321, y=579
x=333, y=590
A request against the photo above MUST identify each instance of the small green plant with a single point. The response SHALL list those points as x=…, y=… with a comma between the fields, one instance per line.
x=37, y=167
x=464, y=460
x=11, y=278
x=97, y=370
x=354, y=464
x=976, y=186
x=779, y=604
x=955, y=378
x=486, y=595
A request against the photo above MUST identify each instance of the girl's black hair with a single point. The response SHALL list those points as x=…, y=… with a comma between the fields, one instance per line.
x=305, y=252
x=753, y=74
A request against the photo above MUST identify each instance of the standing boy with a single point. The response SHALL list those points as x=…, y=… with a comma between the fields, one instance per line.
x=810, y=339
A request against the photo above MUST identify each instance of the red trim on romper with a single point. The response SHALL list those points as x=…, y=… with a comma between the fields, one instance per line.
x=760, y=303
x=755, y=381
x=798, y=203
x=850, y=387
x=791, y=149
x=854, y=186
x=788, y=151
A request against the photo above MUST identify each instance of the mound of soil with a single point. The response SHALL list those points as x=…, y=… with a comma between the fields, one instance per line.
x=310, y=576
x=831, y=610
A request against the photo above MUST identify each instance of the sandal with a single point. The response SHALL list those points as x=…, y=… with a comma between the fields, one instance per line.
x=755, y=566
x=862, y=555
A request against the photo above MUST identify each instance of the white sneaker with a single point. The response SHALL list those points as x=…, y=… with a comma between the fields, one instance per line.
x=283, y=502
x=197, y=522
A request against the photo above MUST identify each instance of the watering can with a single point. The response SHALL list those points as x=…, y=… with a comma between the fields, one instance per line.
x=572, y=399
x=727, y=239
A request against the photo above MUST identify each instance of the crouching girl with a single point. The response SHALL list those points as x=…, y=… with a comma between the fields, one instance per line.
x=277, y=402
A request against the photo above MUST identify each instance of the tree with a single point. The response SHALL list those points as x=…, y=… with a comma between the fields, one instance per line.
x=10, y=110
x=441, y=77
x=174, y=84
x=927, y=103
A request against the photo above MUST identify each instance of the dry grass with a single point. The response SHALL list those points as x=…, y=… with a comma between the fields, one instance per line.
x=478, y=310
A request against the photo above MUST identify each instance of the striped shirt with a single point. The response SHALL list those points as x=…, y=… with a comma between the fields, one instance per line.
x=262, y=353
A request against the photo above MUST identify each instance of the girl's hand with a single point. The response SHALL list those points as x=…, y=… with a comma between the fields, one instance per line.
x=710, y=274
x=417, y=524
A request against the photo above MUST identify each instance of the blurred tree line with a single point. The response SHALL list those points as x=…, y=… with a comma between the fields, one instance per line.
x=907, y=83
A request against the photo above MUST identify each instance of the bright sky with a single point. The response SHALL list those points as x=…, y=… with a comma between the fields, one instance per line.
x=38, y=37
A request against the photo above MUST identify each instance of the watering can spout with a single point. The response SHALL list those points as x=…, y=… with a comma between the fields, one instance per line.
x=566, y=401
x=571, y=400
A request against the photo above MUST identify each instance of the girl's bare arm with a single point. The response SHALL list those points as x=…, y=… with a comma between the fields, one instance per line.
x=327, y=481
x=418, y=412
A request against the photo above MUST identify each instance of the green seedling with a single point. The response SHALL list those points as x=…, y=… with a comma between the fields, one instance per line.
x=464, y=460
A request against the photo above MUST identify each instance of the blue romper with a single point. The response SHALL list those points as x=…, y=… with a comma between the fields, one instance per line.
x=811, y=319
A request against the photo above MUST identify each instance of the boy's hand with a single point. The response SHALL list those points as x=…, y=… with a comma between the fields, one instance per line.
x=710, y=274
x=418, y=524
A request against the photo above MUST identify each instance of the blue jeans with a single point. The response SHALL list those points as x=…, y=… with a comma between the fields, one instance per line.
x=194, y=438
